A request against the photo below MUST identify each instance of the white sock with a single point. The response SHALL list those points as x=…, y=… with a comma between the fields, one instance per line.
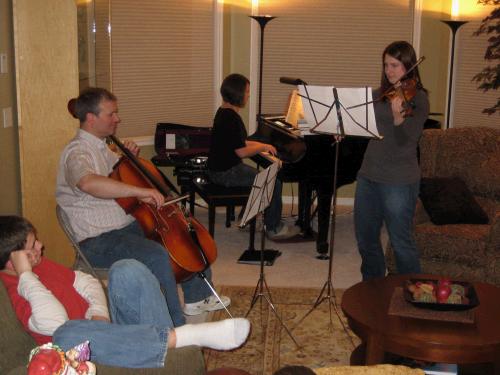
x=223, y=335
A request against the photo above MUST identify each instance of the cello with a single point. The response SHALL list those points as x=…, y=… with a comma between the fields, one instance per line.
x=190, y=246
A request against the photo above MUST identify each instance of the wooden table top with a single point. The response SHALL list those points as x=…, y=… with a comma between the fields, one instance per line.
x=366, y=305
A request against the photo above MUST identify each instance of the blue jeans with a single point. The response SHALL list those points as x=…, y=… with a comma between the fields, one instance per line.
x=141, y=322
x=376, y=203
x=130, y=243
x=243, y=175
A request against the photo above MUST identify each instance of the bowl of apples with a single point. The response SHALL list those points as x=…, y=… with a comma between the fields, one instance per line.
x=441, y=294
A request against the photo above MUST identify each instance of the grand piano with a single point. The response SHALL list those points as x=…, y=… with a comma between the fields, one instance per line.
x=309, y=159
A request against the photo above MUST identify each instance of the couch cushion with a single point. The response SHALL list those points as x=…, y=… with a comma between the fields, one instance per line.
x=15, y=343
x=456, y=244
x=447, y=200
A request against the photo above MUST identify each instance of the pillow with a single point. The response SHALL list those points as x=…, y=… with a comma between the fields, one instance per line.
x=449, y=201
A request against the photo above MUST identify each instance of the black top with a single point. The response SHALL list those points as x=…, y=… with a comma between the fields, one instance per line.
x=228, y=135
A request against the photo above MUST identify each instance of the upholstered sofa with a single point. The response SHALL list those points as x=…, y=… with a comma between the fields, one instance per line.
x=16, y=344
x=460, y=250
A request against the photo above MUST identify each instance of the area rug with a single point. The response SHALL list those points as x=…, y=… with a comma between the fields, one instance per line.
x=321, y=343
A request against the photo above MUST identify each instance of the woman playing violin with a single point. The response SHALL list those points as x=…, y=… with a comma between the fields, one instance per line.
x=104, y=231
x=389, y=178
x=229, y=145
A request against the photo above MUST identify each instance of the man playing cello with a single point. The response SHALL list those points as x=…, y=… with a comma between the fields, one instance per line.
x=104, y=231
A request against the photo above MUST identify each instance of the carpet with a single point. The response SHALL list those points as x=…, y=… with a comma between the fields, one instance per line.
x=269, y=347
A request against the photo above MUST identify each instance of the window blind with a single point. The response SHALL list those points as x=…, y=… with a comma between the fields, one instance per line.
x=329, y=42
x=162, y=63
x=469, y=60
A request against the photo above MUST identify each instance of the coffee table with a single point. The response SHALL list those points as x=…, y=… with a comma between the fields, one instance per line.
x=366, y=305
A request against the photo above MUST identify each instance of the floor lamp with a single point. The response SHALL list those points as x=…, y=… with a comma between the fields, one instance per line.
x=454, y=26
x=262, y=290
x=262, y=20
x=269, y=254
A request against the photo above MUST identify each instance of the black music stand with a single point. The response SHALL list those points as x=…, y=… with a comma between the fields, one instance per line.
x=259, y=199
x=324, y=107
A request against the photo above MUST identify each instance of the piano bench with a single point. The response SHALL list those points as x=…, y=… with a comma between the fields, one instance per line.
x=220, y=196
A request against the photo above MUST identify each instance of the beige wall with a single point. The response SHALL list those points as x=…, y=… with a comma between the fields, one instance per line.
x=10, y=201
x=45, y=40
x=236, y=48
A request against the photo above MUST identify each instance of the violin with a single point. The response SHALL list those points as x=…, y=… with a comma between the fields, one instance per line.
x=406, y=91
x=405, y=88
x=190, y=246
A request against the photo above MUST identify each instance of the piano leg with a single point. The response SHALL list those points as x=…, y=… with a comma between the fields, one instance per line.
x=325, y=194
x=304, y=219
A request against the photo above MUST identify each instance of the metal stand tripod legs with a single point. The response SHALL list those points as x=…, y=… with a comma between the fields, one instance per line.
x=327, y=292
x=262, y=290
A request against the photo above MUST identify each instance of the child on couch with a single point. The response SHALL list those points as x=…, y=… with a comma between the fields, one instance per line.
x=55, y=303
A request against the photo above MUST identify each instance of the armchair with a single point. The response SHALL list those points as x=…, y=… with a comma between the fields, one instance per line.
x=462, y=251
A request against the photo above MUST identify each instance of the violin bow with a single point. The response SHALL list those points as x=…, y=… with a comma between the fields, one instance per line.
x=392, y=86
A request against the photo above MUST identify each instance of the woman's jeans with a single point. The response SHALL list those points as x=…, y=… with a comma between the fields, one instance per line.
x=138, y=334
x=130, y=243
x=244, y=175
x=374, y=204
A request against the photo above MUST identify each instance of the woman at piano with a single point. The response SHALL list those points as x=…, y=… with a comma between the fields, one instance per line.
x=389, y=178
x=229, y=146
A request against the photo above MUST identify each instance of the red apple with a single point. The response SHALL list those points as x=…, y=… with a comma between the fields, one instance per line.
x=442, y=294
x=45, y=362
x=444, y=282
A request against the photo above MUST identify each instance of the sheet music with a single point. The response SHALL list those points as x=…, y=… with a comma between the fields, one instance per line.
x=261, y=193
x=295, y=111
x=320, y=109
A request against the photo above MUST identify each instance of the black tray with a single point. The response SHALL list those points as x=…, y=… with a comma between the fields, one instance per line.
x=470, y=293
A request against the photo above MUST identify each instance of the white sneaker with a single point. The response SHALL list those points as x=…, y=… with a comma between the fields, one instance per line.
x=284, y=233
x=209, y=304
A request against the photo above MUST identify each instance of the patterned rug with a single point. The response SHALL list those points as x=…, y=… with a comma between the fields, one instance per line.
x=269, y=347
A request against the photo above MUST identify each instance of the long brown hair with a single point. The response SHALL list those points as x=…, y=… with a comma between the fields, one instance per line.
x=404, y=52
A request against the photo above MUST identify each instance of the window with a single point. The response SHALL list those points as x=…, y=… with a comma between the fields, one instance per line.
x=162, y=63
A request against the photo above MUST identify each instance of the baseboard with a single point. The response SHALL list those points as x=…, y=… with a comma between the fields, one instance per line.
x=287, y=199
x=293, y=200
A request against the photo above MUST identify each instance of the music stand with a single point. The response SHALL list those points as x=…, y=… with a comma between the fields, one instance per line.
x=259, y=199
x=327, y=108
